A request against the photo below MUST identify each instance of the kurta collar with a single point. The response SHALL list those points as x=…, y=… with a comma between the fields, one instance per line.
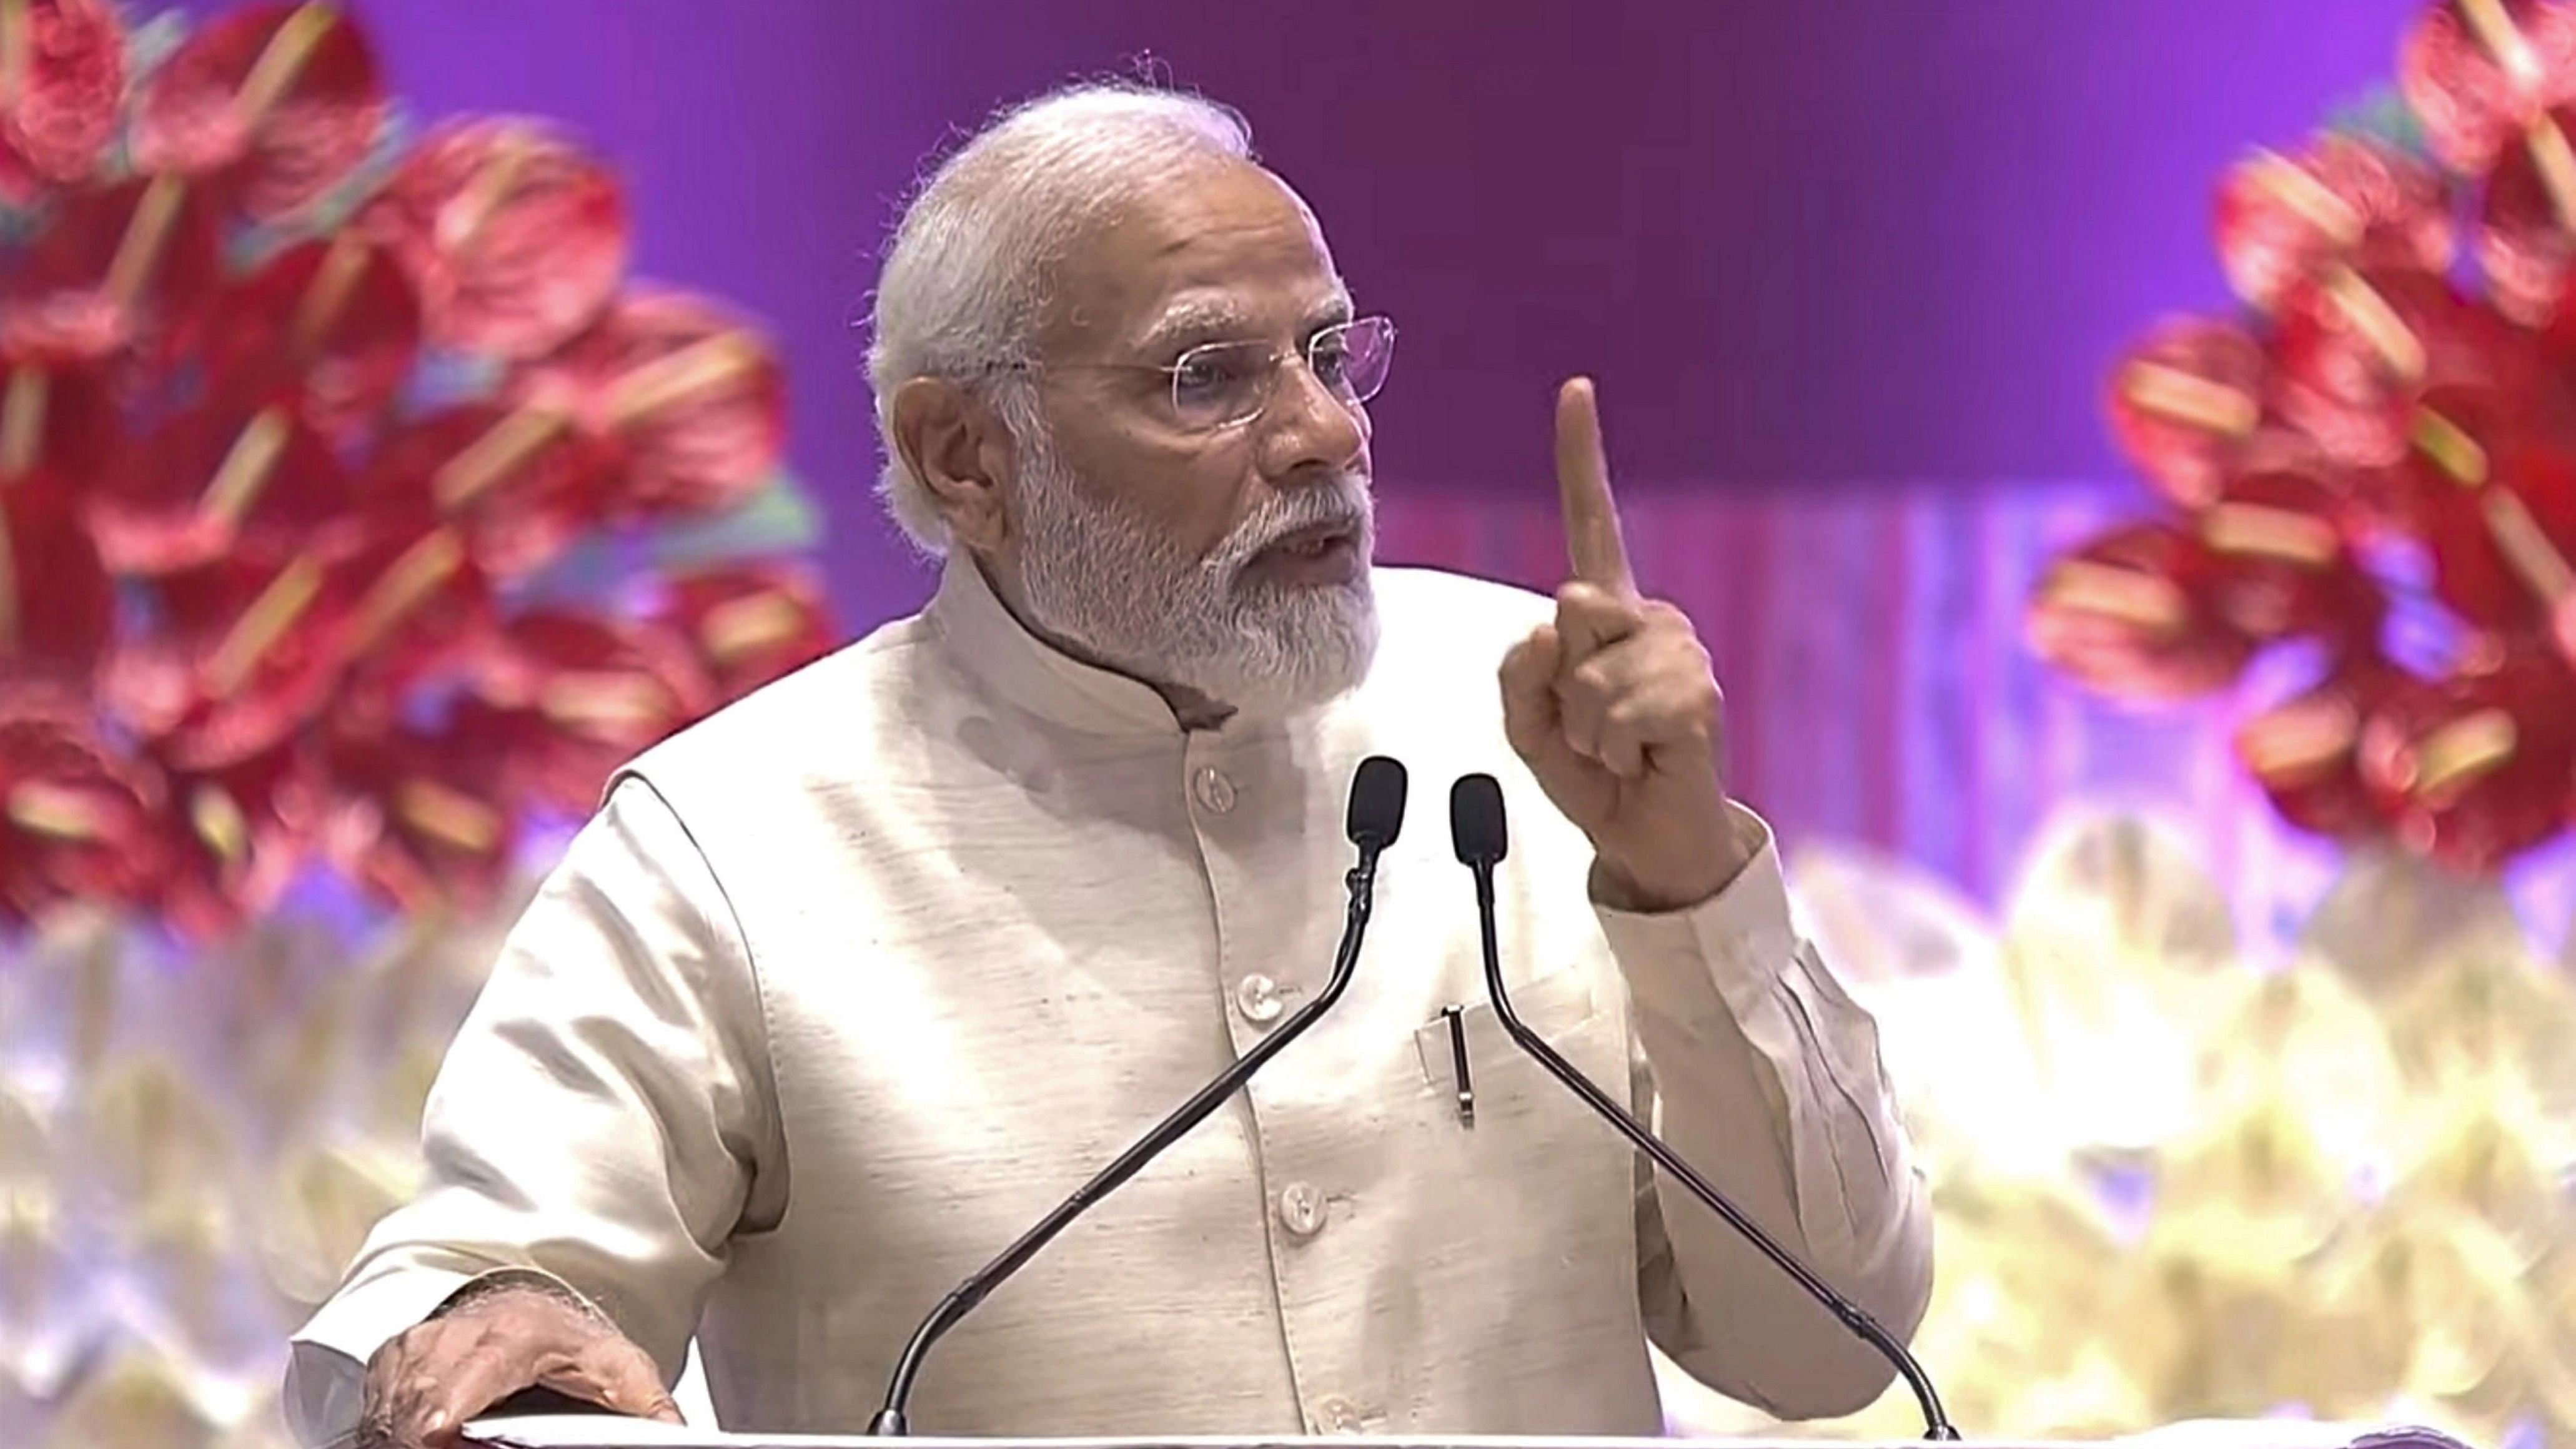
x=992, y=644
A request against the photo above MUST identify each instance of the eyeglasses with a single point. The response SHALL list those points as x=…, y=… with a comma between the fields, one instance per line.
x=1222, y=385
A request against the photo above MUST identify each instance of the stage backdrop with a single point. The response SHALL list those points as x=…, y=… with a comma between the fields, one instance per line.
x=1851, y=272
x=1841, y=266
x=1819, y=242
x=1878, y=688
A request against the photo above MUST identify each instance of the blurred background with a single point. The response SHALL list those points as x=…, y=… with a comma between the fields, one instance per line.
x=2225, y=1118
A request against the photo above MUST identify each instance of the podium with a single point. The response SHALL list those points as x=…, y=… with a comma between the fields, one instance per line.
x=595, y=1431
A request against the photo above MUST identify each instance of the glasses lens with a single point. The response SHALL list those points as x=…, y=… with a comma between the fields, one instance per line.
x=1219, y=385
x=1226, y=383
x=1354, y=358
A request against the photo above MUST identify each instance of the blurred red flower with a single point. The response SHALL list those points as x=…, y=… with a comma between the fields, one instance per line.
x=2306, y=750
x=2344, y=200
x=2185, y=400
x=2476, y=73
x=2476, y=769
x=121, y=273
x=752, y=623
x=2134, y=615
x=270, y=107
x=422, y=818
x=76, y=818
x=216, y=481
x=687, y=402
x=235, y=837
x=59, y=110
x=515, y=238
x=331, y=497
x=330, y=328
x=581, y=694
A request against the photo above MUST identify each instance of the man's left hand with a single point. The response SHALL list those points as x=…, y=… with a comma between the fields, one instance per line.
x=1614, y=706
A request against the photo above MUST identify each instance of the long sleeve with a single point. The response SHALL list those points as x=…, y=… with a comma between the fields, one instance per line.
x=604, y=1116
x=1765, y=1076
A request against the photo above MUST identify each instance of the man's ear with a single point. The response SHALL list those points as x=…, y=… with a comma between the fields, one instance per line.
x=955, y=445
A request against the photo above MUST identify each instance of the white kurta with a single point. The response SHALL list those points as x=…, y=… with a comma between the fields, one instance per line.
x=849, y=984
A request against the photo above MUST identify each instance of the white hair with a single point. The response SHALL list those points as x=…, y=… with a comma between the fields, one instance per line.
x=965, y=277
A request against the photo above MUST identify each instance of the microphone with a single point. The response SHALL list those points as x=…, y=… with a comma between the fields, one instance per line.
x=1376, y=817
x=1476, y=830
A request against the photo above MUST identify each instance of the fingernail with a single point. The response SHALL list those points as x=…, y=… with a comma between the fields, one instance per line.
x=436, y=1421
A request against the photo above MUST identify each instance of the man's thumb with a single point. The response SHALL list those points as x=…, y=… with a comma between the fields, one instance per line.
x=622, y=1382
x=638, y=1393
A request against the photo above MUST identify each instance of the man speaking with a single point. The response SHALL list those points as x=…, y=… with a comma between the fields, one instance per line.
x=845, y=987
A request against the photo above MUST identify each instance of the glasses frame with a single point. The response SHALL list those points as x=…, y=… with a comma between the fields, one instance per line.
x=1276, y=362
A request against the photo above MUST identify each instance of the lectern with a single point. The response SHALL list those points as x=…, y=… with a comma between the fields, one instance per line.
x=592, y=1431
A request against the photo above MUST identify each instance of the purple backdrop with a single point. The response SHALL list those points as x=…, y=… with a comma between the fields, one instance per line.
x=1809, y=241
x=1806, y=244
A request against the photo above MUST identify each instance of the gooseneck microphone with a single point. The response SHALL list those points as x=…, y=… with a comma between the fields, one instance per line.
x=1376, y=816
x=1476, y=831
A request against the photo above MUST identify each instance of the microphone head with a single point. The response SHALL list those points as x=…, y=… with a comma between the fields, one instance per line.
x=1377, y=803
x=1476, y=820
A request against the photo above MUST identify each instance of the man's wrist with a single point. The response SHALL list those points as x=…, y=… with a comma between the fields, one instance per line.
x=514, y=1282
x=1620, y=888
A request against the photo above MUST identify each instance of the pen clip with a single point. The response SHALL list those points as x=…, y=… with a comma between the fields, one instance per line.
x=1458, y=1057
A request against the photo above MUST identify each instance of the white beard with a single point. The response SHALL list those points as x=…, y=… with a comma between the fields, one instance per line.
x=1110, y=583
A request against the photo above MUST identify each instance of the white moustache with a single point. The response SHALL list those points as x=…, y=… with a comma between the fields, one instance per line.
x=1343, y=504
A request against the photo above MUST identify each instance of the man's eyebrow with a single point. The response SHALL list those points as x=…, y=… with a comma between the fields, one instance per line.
x=1332, y=312
x=1193, y=321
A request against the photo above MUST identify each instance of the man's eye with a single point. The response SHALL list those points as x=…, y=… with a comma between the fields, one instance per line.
x=1331, y=360
x=1197, y=375
x=1208, y=374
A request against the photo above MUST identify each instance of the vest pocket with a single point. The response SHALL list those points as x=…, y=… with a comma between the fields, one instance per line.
x=1563, y=1008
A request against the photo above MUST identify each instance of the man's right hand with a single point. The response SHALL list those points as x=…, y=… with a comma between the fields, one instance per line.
x=425, y=1385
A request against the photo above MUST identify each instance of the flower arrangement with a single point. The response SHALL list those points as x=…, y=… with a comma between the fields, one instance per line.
x=2374, y=462
x=358, y=515
x=2180, y=1174
x=356, y=509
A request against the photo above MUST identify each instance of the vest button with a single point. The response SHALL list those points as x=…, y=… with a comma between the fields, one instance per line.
x=1213, y=789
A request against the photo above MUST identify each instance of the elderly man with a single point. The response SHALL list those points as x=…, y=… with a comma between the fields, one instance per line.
x=843, y=988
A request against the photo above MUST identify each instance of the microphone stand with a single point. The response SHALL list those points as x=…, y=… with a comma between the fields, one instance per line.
x=1937, y=1424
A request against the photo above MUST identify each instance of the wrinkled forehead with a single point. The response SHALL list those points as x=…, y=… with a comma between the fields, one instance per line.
x=1219, y=252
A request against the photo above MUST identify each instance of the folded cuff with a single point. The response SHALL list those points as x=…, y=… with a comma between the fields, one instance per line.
x=1712, y=960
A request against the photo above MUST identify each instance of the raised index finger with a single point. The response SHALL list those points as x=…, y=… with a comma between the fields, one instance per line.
x=1591, y=516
